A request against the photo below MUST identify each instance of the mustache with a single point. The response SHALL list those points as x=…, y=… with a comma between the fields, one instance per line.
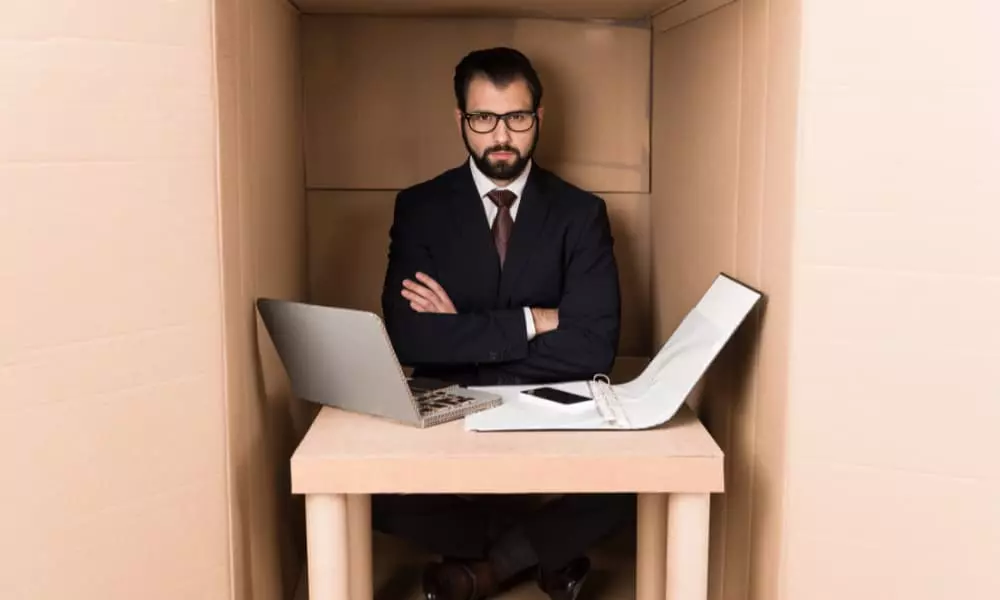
x=509, y=149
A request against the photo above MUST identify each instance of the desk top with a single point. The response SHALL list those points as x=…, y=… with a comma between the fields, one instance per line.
x=347, y=453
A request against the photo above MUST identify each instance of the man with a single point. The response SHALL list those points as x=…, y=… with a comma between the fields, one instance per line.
x=500, y=272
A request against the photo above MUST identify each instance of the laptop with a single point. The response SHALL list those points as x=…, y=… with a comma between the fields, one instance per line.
x=343, y=358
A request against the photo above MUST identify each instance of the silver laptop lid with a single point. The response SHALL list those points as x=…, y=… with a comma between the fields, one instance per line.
x=339, y=357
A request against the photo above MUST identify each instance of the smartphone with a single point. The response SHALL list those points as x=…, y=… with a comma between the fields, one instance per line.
x=554, y=395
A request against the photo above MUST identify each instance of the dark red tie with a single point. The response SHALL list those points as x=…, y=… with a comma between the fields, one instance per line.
x=503, y=224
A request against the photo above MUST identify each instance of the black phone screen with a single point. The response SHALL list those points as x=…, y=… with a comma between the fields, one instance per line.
x=547, y=393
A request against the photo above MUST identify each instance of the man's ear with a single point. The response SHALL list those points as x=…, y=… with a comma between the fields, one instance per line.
x=459, y=118
x=541, y=114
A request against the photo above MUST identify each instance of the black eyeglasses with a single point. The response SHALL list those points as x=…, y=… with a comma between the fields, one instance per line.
x=485, y=122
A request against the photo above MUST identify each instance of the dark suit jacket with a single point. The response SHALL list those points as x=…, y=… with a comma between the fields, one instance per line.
x=560, y=255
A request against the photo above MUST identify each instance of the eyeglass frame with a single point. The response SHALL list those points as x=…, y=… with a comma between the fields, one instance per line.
x=504, y=117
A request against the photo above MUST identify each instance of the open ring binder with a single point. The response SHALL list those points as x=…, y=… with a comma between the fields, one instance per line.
x=652, y=398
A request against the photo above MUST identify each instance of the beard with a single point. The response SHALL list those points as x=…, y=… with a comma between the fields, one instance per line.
x=503, y=171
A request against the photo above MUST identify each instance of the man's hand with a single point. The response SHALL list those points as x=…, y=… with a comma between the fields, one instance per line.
x=427, y=296
x=546, y=319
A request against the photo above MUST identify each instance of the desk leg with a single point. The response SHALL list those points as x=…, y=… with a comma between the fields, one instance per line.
x=327, y=544
x=650, y=552
x=687, y=546
x=359, y=525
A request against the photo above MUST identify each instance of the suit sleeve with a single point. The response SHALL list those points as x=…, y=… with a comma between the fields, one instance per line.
x=586, y=340
x=436, y=339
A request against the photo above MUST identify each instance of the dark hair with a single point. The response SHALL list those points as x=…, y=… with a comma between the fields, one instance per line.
x=501, y=66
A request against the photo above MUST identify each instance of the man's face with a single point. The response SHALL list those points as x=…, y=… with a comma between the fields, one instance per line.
x=503, y=152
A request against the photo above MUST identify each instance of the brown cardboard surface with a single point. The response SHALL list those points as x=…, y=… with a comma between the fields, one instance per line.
x=263, y=246
x=348, y=247
x=775, y=247
x=695, y=149
x=112, y=429
x=894, y=330
x=684, y=12
x=723, y=153
x=380, y=101
x=564, y=9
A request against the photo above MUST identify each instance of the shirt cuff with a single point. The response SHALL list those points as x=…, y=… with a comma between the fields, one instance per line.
x=530, y=322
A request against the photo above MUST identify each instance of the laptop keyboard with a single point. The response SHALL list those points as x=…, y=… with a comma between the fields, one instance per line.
x=437, y=400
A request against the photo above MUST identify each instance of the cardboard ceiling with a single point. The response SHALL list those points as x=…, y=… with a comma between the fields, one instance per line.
x=560, y=9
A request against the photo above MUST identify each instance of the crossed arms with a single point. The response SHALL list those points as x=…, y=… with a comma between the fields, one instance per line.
x=575, y=339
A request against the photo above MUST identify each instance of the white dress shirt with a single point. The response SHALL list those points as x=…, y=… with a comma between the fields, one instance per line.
x=485, y=186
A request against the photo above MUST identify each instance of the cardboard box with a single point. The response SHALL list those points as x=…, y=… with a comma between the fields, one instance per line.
x=163, y=163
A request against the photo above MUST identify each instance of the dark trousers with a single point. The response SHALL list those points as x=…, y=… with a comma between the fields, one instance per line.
x=464, y=527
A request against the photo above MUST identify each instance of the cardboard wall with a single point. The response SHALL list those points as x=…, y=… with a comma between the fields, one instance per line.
x=379, y=117
x=723, y=148
x=555, y=9
x=263, y=244
x=112, y=425
x=893, y=452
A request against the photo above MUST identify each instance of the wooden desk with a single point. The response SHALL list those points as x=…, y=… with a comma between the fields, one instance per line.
x=346, y=457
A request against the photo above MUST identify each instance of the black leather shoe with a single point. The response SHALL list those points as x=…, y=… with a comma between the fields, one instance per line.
x=566, y=583
x=442, y=581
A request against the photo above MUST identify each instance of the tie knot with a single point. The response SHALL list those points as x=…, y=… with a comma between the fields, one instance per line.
x=502, y=198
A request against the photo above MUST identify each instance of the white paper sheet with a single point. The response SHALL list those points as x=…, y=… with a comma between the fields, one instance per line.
x=655, y=396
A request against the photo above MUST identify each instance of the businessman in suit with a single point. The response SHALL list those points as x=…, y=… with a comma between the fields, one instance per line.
x=500, y=272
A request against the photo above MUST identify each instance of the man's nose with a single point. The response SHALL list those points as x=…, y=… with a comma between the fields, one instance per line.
x=501, y=135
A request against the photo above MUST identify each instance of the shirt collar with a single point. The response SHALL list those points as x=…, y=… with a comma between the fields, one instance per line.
x=484, y=185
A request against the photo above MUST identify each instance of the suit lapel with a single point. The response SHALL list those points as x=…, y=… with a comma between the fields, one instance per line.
x=527, y=231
